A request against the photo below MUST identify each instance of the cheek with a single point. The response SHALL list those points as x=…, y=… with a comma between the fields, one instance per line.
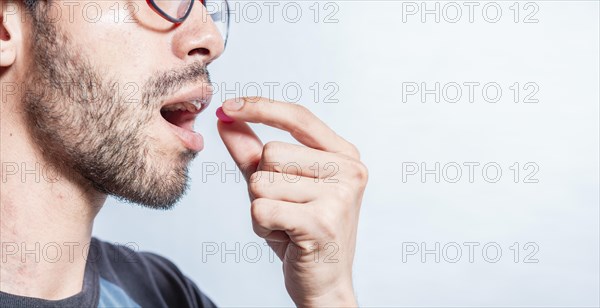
x=117, y=43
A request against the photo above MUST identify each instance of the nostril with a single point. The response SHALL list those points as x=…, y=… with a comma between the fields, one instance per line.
x=199, y=51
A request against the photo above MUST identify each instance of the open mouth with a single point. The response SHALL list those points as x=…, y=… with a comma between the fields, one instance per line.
x=183, y=114
x=180, y=114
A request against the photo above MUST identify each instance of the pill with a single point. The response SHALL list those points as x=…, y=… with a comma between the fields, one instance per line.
x=222, y=116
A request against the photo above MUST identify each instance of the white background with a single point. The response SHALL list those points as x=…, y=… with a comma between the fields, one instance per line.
x=369, y=53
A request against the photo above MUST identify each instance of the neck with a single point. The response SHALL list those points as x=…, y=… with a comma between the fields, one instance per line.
x=46, y=219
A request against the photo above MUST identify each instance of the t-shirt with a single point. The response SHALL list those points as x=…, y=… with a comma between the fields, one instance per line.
x=117, y=276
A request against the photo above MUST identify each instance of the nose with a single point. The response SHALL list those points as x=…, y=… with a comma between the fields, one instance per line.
x=198, y=38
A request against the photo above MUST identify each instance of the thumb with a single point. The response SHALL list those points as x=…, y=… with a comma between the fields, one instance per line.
x=243, y=145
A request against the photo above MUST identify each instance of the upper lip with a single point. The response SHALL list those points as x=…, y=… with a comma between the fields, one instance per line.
x=202, y=94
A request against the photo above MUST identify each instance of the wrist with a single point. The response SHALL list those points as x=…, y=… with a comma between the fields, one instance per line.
x=337, y=297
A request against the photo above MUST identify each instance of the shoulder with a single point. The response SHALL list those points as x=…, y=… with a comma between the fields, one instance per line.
x=148, y=278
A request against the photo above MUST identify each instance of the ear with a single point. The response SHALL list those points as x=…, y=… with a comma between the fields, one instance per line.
x=10, y=32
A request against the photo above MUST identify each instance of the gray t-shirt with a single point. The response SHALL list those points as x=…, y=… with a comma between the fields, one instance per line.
x=117, y=276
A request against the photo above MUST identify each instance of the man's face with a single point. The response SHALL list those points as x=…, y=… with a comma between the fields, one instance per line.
x=97, y=88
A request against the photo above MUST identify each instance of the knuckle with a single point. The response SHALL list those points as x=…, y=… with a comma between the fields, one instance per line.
x=255, y=177
x=360, y=173
x=301, y=110
x=350, y=150
x=354, y=151
x=343, y=193
x=257, y=184
x=257, y=108
x=251, y=99
x=257, y=209
x=303, y=116
x=272, y=146
x=271, y=151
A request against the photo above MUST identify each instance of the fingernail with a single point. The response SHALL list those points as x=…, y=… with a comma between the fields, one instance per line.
x=234, y=104
x=222, y=116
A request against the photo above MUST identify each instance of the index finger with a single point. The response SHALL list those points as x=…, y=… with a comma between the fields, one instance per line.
x=296, y=119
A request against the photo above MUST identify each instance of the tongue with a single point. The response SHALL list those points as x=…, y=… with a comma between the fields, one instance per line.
x=181, y=118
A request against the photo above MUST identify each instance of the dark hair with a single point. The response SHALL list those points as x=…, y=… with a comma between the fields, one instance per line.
x=31, y=4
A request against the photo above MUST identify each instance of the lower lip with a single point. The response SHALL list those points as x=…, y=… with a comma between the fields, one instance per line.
x=191, y=139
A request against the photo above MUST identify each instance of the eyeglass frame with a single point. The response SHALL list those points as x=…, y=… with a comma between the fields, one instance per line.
x=177, y=21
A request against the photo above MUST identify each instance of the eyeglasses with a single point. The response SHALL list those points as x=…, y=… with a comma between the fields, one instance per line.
x=176, y=11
